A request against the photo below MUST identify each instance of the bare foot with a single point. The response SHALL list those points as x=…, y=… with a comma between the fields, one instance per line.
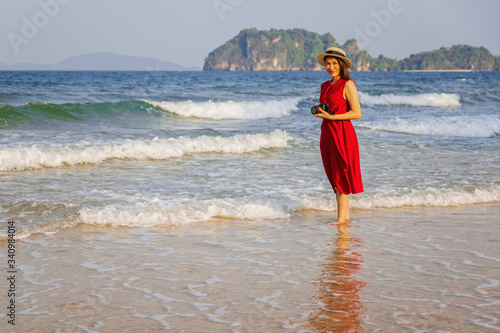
x=336, y=223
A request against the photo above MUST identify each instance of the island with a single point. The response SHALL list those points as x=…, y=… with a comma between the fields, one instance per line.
x=296, y=50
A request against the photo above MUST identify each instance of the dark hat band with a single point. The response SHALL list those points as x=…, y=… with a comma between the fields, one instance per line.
x=335, y=53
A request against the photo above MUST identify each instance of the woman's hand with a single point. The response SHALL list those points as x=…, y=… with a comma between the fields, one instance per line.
x=351, y=95
x=323, y=114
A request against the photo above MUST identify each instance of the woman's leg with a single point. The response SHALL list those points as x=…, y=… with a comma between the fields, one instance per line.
x=342, y=206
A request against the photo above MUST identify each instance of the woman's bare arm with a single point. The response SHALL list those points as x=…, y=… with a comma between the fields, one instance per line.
x=351, y=95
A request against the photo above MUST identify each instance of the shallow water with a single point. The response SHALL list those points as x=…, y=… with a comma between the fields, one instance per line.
x=400, y=270
x=165, y=148
x=196, y=201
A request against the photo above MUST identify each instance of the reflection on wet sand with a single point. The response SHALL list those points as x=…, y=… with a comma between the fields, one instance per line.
x=338, y=287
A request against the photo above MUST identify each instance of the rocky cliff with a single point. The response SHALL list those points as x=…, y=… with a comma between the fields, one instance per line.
x=273, y=50
x=296, y=50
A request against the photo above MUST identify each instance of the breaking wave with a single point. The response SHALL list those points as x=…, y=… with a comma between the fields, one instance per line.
x=460, y=126
x=165, y=212
x=36, y=157
x=230, y=109
x=430, y=197
x=432, y=99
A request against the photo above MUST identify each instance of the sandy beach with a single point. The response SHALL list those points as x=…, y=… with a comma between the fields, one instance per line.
x=398, y=270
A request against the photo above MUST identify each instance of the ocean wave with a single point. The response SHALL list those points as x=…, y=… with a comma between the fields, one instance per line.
x=230, y=109
x=35, y=112
x=432, y=99
x=430, y=197
x=459, y=126
x=166, y=213
x=39, y=217
x=36, y=157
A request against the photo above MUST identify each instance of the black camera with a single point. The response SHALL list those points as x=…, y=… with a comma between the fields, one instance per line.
x=325, y=107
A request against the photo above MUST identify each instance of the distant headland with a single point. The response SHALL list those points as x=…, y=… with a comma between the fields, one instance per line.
x=296, y=50
x=102, y=61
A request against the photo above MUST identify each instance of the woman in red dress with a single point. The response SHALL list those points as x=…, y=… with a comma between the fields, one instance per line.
x=339, y=143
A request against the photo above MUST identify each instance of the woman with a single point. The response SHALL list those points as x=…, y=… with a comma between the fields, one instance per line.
x=339, y=143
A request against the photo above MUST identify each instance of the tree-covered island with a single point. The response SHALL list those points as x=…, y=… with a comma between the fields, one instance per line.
x=296, y=50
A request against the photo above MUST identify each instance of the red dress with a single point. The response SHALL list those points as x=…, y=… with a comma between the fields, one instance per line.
x=339, y=143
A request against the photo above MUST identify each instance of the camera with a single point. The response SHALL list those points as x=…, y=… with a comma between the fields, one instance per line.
x=325, y=107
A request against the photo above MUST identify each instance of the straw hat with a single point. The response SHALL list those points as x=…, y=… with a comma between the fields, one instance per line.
x=333, y=52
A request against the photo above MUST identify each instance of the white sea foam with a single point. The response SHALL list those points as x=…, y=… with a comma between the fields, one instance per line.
x=463, y=126
x=36, y=157
x=432, y=99
x=430, y=197
x=165, y=212
x=230, y=109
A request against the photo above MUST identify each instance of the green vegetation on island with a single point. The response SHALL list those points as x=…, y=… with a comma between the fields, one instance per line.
x=296, y=50
x=457, y=57
x=254, y=50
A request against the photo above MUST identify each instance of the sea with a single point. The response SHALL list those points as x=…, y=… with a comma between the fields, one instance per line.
x=158, y=148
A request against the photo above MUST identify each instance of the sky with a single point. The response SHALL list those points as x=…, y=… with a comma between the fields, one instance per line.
x=185, y=32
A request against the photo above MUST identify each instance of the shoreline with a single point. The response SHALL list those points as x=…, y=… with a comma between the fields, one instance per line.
x=442, y=70
x=236, y=71
x=393, y=270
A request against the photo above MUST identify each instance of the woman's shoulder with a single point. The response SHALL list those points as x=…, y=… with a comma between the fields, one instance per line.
x=326, y=83
x=349, y=83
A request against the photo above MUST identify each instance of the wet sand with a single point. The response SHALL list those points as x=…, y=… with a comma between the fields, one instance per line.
x=398, y=270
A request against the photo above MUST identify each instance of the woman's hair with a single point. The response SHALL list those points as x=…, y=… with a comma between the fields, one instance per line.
x=344, y=72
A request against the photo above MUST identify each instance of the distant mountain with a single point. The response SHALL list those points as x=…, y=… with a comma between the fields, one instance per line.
x=296, y=50
x=103, y=61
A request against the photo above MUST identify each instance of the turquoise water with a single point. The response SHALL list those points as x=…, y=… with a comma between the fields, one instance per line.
x=164, y=148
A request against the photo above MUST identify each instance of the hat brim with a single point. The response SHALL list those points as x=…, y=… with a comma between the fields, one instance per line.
x=321, y=59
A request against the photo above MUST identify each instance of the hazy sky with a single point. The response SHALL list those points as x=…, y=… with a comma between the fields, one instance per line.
x=185, y=31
